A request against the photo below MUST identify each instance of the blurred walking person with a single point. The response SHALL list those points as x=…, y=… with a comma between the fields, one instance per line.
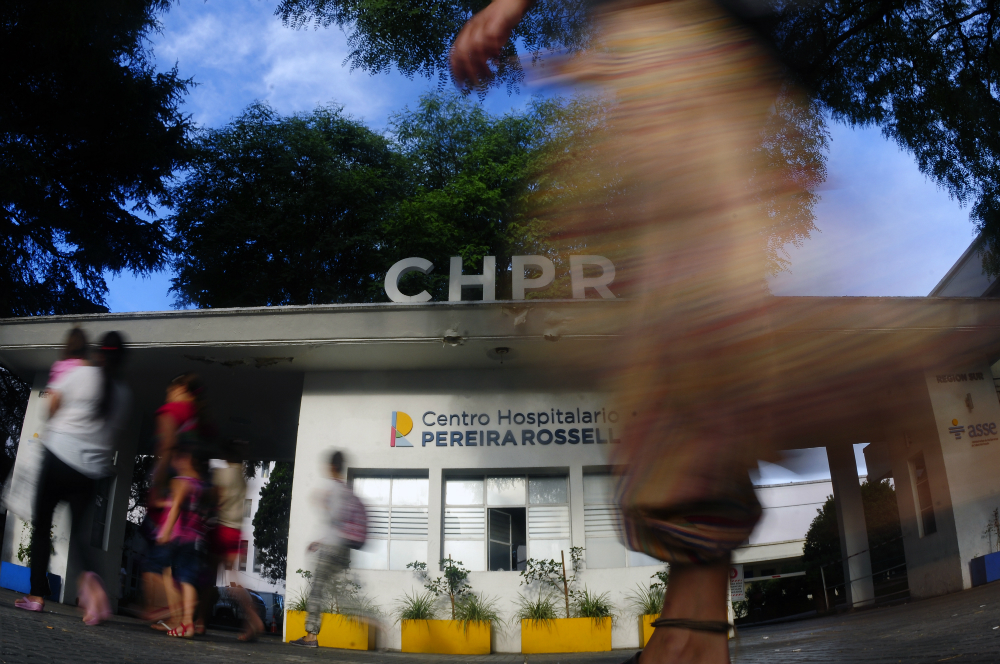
x=184, y=532
x=181, y=415
x=230, y=488
x=691, y=92
x=88, y=404
x=331, y=552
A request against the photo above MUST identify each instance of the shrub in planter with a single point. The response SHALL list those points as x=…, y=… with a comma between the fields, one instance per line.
x=472, y=616
x=647, y=604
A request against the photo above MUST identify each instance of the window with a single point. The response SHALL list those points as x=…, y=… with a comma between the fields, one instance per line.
x=244, y=547
x=265, y=470
x=256, y=563
x=926, y=523
x=247, y=508
x=497, y=523
x=601, y=523
x=397, y=522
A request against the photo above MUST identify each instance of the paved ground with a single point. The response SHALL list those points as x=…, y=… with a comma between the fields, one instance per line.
x=960, y=628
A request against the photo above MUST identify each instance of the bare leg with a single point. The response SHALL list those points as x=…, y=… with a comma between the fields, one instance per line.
x=253, y=624
x=174, y=598
x=190, y=600
x=695, y=592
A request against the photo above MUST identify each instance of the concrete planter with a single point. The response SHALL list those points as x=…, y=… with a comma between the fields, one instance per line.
x=645, y=628
x=566, y=635
x=984, y=569
x=445, y=637
x=335, y=631
x=18, y=578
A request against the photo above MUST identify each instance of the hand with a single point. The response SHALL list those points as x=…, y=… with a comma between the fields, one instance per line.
x=482, y=39
x=163, y=537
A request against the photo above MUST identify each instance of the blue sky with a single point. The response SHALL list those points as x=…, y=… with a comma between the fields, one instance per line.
x=884, y=228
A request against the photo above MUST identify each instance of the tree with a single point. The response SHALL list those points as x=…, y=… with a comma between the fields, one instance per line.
x=283, y=210
x=89, y=133
x=416, y=36
x=14, y=393
x=314, y=208
x=270, y=523
x=926, y=73
x=822, y=545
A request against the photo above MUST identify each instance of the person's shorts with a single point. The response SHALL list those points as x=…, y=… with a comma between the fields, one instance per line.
x=157, y=558
x=186, y=564
x=226, y=542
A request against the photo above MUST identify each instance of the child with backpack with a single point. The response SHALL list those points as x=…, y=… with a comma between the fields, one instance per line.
x=184, y=529
x=344, y=527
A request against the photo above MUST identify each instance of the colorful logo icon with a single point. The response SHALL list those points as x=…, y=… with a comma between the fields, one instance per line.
x=401, y=426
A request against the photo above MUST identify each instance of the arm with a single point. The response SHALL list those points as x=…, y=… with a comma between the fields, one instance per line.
x=179, y=490
x=482, y=39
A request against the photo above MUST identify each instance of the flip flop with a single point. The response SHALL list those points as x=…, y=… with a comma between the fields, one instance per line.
x=161, y=626
x=28, y=605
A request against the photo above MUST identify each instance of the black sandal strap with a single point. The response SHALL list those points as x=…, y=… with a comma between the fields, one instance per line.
x=715, y=626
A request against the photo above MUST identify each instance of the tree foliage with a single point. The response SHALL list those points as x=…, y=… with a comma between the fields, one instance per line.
x=283, y=210
x=270, y=523
x=926, y=73
x=14, y=393
x=822, y=545
x=89, y=132
x=416, y=36
x=314, y=208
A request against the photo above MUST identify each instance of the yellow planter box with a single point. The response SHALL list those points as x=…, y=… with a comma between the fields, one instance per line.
x=566, y=635
x=334, y=631
x=445, y=637
x=646, y=628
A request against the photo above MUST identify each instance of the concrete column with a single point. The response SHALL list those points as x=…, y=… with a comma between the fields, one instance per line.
x=851, y=522
x=576, y=505
x=435, y=515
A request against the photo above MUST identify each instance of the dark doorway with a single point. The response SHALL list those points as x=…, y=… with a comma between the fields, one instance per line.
x=507, y=538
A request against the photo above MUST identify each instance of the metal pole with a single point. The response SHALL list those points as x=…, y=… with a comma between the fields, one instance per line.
x=826, y=599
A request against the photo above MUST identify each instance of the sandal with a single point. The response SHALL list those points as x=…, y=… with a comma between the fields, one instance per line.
x=28, y=605
x=248, y=637
x=161, y=626
x=182, y=631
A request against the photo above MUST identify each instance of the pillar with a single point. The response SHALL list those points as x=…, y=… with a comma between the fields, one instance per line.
x=851, y=523
x=435, y=514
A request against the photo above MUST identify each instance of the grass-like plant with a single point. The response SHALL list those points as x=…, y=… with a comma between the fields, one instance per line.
x=541, y=610
x=478, y=609
x=586, y=604
x=646, y=600
x=418, y=606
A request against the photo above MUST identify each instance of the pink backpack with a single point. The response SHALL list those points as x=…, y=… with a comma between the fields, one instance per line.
x=354, y=521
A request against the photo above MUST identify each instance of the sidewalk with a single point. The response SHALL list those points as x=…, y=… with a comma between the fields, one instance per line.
x=963, y=627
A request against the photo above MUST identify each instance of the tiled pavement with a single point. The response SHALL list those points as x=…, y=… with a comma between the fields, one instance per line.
x=964, y=627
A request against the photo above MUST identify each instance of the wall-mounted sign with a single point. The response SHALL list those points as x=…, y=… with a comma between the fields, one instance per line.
x=487, y=281
x=554, y=426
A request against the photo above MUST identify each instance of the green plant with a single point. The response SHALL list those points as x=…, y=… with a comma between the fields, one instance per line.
x=551, y=575
x=418, y=606
x=591, y=605
x=478, y=609
x=646, y=600
x=301, y=600
x=662, y=579
x=24, y=552
x=741, y=609
x=454, y=583
x=541, y=610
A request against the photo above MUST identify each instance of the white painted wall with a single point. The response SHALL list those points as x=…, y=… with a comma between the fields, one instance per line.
x=970, y=462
